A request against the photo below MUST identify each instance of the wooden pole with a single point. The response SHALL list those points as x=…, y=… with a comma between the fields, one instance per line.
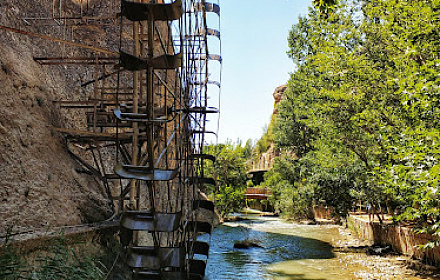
x=135, y=110
x=65, y=42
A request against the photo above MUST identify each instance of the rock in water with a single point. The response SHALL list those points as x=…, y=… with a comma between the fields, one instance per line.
x=246, y=244
x=380, y=251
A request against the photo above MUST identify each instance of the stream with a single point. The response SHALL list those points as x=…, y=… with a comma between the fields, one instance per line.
x=293, y=252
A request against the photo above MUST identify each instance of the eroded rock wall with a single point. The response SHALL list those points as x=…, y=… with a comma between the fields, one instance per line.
x=266, y=160
x=41, y=186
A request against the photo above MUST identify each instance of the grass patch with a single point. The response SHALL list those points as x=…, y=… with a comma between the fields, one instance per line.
x=11, y=266
x=59, y=262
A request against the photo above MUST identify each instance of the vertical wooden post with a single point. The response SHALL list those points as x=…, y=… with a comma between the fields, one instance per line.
x=136, y=81
x=95, y=93
x=150, y=90
x=150, y=116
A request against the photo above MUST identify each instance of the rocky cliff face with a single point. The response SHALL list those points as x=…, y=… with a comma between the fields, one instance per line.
x=266, y=159
x=278, y=95
x=41, y=186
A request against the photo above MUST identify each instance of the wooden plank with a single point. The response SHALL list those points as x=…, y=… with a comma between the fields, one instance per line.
x=76, y=133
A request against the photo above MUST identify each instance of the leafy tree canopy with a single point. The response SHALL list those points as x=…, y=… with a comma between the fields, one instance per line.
x=362, y=108
x=229, y=170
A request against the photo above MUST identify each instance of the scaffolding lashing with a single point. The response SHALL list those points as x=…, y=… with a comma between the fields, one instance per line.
x=134, y=115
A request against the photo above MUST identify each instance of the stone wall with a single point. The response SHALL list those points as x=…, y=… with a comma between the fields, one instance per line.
x=323, y=212
x=402, y=239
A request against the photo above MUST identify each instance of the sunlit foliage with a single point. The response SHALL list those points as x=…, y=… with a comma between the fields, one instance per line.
x=362, y=108
x=229, y=170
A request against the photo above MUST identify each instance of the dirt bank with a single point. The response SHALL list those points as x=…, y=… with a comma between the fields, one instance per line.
x=389, y=266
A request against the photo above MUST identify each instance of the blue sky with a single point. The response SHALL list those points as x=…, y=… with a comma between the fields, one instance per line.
x=254, y=45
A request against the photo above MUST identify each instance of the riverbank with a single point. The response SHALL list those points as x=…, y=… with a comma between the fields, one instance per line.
x=350, y=264
x=402, y=239
x=299, y=251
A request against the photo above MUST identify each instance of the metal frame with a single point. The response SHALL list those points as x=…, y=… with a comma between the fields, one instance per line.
x=140, y=122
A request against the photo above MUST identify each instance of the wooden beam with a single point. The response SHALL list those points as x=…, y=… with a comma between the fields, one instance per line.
x=53, y=39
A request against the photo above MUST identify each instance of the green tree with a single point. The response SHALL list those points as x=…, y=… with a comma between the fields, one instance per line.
x=329, y=156
x=325, y=6
x=362, y=108
x=229, y=170
x=407, y=31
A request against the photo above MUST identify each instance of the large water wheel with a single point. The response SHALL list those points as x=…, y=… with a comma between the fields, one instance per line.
x=139, y=122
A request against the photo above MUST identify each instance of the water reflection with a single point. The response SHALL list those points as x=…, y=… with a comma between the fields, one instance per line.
x=225, y=262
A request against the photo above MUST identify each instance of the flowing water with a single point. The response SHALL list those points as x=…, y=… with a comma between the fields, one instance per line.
x=292, y=252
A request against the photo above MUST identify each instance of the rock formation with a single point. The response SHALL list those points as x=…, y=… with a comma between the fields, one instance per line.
x=265, y=160
x=278, y=95
x=41, y=185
